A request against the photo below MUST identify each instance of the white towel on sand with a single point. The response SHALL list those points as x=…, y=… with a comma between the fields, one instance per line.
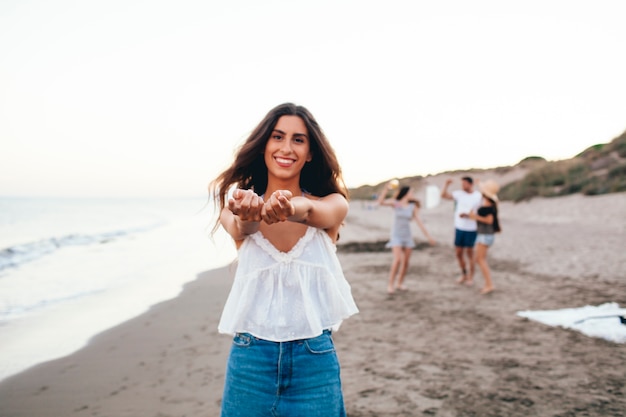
x=601, y=321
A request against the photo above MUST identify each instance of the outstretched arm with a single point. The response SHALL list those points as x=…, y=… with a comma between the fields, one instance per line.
x=417, y=219
x=326, y=213
x=242, y=216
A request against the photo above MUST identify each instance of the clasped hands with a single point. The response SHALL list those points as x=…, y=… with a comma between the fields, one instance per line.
x=250, y=207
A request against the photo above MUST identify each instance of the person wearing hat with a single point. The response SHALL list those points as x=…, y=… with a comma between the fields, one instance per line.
x=487, y=225
x=466, y=199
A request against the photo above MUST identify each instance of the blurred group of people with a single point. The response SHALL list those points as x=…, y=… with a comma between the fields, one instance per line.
x=475, y=223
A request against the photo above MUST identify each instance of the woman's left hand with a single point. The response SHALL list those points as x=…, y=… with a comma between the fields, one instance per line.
x=278, y=208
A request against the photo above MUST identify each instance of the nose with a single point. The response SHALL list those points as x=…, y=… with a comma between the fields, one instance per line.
x=285, y=146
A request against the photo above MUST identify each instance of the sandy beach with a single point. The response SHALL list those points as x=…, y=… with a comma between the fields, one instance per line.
x=438, y=349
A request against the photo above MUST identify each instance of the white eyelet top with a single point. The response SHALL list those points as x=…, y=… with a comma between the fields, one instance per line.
x=283, y=296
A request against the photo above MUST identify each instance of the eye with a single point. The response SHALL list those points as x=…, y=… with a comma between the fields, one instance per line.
x=277, y=137
x=299, y=139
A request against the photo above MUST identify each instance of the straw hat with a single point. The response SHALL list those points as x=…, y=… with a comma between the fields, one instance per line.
x=490, y=189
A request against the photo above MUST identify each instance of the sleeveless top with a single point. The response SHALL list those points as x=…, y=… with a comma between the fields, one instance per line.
x=284, y=296
x=401, y=228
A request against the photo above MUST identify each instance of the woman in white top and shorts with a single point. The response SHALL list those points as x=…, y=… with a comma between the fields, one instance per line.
x=289, y=293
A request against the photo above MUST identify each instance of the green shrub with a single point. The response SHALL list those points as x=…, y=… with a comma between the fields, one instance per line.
x=594, y=171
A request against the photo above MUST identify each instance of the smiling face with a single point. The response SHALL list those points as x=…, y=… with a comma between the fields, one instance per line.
x=287, y=149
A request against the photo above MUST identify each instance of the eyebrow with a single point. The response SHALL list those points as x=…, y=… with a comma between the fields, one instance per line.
x=295, y=134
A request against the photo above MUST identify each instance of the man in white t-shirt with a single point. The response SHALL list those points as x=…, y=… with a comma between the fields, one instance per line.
x=465, y=200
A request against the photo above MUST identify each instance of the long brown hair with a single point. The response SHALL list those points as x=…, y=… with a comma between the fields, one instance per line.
x=320, y=176
x=404, y=191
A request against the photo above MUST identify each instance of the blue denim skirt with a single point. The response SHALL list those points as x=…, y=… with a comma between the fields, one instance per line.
x=299, y=378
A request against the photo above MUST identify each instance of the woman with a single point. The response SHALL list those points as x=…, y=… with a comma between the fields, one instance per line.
x=488, y=224
x=406, y=208
x=289, y=292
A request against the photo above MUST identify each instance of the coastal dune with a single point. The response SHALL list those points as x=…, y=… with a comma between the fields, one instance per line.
x=438, y=349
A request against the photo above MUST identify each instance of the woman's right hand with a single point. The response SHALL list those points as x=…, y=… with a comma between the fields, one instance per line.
x=246, y=205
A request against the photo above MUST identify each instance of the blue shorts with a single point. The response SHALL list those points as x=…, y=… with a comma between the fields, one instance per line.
x=486, y=240
x=297, y=378
x=464, y=239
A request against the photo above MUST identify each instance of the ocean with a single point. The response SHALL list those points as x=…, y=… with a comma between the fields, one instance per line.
x=71, y=268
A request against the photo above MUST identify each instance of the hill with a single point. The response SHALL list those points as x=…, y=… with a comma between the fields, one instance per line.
x=599, y=169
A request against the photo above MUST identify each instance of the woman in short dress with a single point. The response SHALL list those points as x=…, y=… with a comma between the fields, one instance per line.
x=406, y=208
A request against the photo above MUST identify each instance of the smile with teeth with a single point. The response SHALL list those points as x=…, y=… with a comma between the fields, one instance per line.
x=284, y=161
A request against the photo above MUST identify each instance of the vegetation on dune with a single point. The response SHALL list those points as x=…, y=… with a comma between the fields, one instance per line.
x=599, y=169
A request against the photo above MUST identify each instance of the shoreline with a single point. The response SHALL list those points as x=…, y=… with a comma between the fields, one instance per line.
x=124, y=364
x=82, y=291
x=439, y=349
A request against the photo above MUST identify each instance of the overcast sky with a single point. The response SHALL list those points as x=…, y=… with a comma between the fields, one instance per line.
x=150, y=98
